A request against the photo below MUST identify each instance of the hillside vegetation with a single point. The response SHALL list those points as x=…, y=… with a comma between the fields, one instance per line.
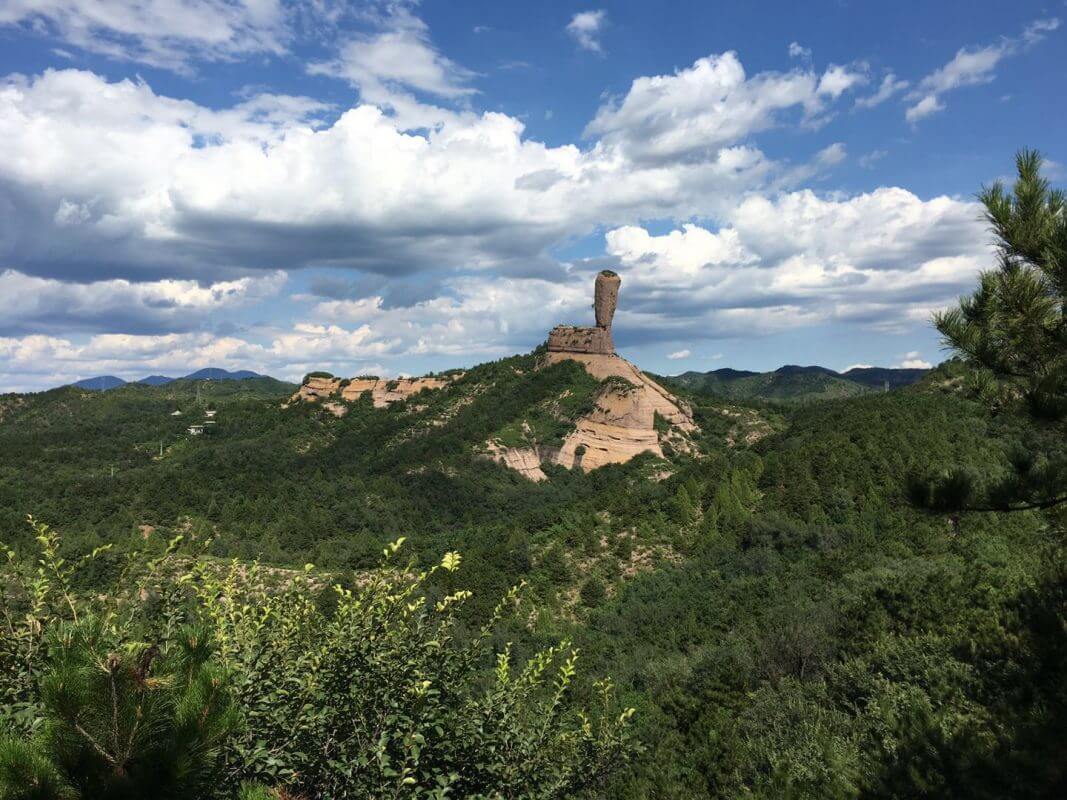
x=777, y=613
x=793, y=383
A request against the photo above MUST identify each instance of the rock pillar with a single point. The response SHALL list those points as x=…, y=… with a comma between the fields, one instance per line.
x=606, y=297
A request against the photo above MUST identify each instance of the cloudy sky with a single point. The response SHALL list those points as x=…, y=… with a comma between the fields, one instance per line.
x=398, y=187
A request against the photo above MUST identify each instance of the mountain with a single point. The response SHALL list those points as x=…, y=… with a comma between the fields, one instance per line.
x=99, y=383
x=795, y=383
x=105, y=382
x=216, y=374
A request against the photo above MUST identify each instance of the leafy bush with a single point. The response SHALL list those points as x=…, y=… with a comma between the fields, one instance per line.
x=382, y=697
x=377, y=694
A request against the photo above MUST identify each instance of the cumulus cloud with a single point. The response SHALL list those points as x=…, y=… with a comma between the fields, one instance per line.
x=924, y=108
x=913, y=360
x=396, y=59
x=678, y=355
x=585, y=28
x=797, y=51
x=971, y=67
x=710, y=105
x=472, y=318
x=172, y=187
x=837, y=80
x=883, y=259
x=39, y=361
x=46, y=305
x=166, y=215
x=162, y=34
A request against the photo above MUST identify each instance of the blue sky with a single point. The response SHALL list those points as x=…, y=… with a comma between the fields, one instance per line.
x=399, y=187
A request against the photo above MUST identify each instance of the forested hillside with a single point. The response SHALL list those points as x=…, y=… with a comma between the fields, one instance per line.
x=782, y=619
x=794, y=383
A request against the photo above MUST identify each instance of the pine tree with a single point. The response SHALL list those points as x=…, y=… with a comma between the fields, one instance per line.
x=122, y=723
x=1012, y=332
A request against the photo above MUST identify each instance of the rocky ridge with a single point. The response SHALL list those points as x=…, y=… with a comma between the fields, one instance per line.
x=632, y=414
x=383, y=392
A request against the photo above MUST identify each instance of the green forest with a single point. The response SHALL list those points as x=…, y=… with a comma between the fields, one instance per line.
x=860, y=595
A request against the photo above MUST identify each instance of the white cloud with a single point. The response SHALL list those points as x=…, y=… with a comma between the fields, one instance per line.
x=868, y=160
x=165, y=34
x=402, y=57
x=678, y=355
x=924, y=108
x=479, y=318
x=1036, y=30
x=163, y=185
x=913, y=360
x=796, y=51
x=889, y=86
x=117, y=305
x=710, y=105
x=585, y=28
x=857, y=366
x=971, y=67
x=838, y=80
x=883, y=259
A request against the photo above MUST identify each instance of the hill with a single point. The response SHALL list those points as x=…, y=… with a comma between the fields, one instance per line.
x=793, y=383
x=100, y=383
x=879, y=377
x=217, y=374
x=764, y=599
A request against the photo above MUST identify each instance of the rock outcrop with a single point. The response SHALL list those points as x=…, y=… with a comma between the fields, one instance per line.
x=571, y=339
x=383, y=392
x=524, y=460
x=623, y=421
x=632, y=413
x=605, y=297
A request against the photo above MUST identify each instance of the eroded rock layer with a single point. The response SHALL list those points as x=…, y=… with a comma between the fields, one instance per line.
x=382, y=391
x=572, y=339
x=623, y=422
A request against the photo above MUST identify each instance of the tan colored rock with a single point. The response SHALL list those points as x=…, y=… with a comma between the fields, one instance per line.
x=601, y=367
x=317, y=388
x=524, y=460
x=577, y=339
x=337, y=409
x=383, y=392
x=605, y=297
x=622, y=425
x=572, y=339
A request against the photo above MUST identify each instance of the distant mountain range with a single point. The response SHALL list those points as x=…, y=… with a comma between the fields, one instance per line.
x=105, y=382
x=793, y=382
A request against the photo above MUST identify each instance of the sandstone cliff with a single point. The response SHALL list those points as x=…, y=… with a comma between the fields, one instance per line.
x=382, y=391
x=632, y=414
